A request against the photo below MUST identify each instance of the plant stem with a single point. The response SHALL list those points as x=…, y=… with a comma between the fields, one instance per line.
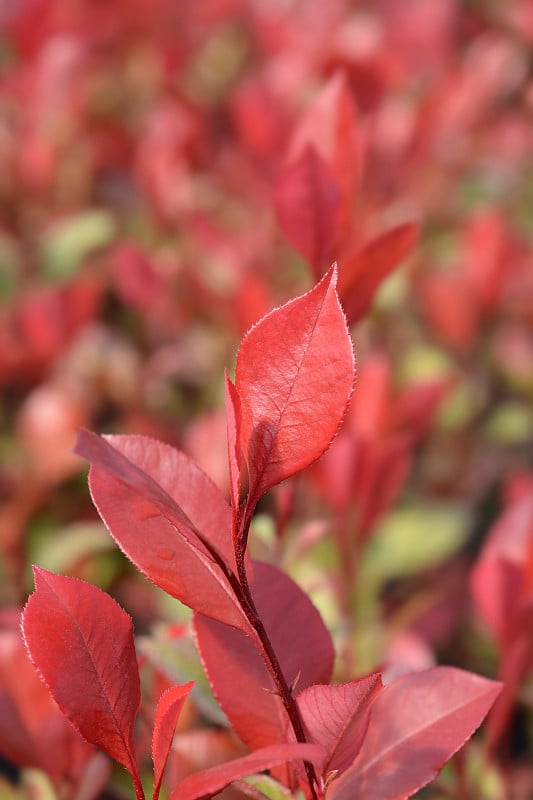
x=241, y=587
x=267, y=651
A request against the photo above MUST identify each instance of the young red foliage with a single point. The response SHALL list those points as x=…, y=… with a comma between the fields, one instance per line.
x=255, y=628
x=337, y=718
x=168, y=518
x=307, y=203
x=74, y=629
x=332, y=127
x=294, y=377
x=167, y=713
x=175, y=120
x=416, y=724
x=361, y=273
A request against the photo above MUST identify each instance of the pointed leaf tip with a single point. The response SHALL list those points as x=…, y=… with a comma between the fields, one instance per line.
x=294, y=378
x=168, y=711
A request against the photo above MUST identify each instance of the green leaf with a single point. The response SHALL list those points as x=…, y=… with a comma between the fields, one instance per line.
x=9, y=268
x=270, y=788
x=8, y=791
x=412, y=539
x=461, y=406
x=61, y=551
x=69, y=242
x=510, y=424
x=36, y=785
x=425, y=363
x=484, y=779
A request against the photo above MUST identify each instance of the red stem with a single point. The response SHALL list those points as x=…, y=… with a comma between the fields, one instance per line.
x=267, y=651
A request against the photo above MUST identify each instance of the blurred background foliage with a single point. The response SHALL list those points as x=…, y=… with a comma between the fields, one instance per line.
x=169, y=172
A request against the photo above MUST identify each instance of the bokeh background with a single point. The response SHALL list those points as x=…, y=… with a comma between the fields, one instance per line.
x=171, y=170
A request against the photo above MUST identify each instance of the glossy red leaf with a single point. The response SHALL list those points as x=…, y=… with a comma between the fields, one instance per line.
x=166, y=716
x=161, y=509
x=294, y=377
x=209, y=782
x=307, y=204
x=416, y=724
x=337, y=718
x=238, y=676
x=81, y=642
x=360, y=275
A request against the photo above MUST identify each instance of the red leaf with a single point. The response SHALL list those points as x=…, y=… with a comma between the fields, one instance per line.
x=136, y=281
x=383, y=471
x=81, y=642
x=234, y=455
x=331, y=126
x=161, y=509
x=307, y=204
x=33, y=731
x=294, y=377
x=516, y=662
x=167, y=713
x=240, y=680
x=498, y=596
x=260, y=118
x=416, y=406
x=504, y=597
x=337, y=718
x=451, y=308
x=361, y=275
x=209, y=782
x=374, y=401
x=484, y=257
x=416, y=724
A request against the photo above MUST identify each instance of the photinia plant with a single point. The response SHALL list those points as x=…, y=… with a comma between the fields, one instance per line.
x=266, y=651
